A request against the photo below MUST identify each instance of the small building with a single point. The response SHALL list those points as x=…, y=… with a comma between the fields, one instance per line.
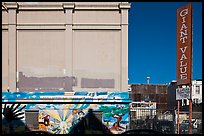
x=184, y=104
x=140, y=110
x=149, y=107
x=150, y=92
x=196, y=94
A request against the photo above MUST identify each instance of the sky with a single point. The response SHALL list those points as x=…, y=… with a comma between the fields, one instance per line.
x=152, y=42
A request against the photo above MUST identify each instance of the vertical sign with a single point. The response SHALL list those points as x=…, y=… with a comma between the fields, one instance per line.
x=184, y=44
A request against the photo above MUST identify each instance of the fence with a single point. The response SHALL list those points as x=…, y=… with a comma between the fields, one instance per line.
x=153, y=119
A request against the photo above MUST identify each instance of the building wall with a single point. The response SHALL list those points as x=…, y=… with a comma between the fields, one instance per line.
x=142, y=110
x=197, y=91
x=65, y=46
x=150, y=92
x=171, y=96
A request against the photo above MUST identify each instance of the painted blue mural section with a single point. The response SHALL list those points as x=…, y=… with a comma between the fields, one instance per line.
x=65, y=96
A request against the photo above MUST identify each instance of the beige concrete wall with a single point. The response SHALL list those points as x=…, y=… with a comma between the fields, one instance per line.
x=5, y=72
x=41, y=53
x=96, y=55
x=96, y=17
x=65, y=46
x=4, y=60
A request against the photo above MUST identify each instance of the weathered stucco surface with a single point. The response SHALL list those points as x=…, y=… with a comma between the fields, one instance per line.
x=65, y=46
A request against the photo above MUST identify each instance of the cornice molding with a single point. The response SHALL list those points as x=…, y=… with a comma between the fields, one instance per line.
x=40, y=7
x=97, y=7
x=124, y=5
x=66, y=5
x=10, y=5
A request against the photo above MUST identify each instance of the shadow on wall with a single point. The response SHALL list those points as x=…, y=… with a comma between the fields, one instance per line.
x=89, y=124
x=11, y=122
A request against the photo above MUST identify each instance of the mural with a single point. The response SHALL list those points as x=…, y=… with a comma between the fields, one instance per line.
x=59, y=118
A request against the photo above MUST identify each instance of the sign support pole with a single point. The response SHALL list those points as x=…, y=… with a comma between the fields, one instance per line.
x=190, y=111
x=178, y=112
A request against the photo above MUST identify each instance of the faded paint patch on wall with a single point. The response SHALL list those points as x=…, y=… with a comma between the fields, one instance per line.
x=35, y=84
x=97, y=83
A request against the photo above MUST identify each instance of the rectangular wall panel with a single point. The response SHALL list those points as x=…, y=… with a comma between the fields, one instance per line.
x=41, y=17
x=41, y=60
x=96, y=17
x=96, y=58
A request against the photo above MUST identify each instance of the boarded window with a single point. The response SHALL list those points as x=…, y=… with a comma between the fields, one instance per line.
x=31, y=119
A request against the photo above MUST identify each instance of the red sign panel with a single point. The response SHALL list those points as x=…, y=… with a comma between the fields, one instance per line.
x=184, y=44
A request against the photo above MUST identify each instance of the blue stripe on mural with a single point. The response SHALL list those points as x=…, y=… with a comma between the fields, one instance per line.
x=80, y=93
x=101, y=93
x=29, y=95
x=71, y=97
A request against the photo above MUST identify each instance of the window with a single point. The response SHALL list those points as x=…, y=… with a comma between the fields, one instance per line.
x=185, y=101
x=195, y=100
x=197, y=89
